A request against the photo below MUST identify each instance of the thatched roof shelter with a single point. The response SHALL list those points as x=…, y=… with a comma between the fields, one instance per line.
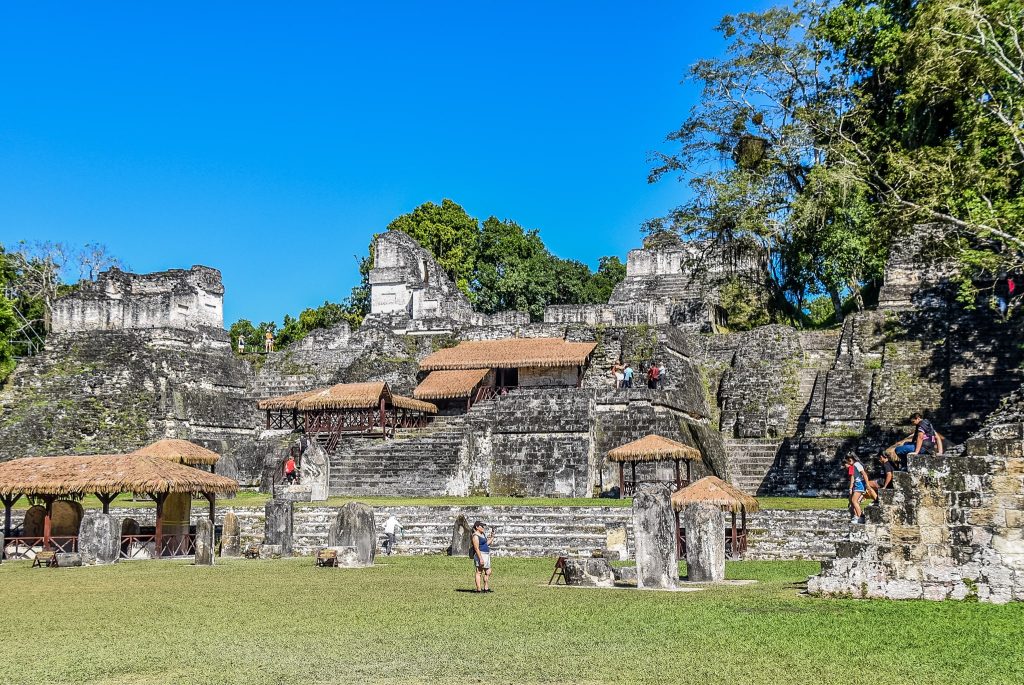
x=713, y=490
x=106, y=474
x=346, y=396
x=449, y=385
x=181, y=451
x=510, y=353
x=654, y=448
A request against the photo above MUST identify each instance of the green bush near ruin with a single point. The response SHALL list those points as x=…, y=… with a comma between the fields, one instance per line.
x=406, y=621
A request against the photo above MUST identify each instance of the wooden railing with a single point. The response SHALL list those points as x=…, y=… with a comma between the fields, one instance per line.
x=25, y=547
x=730, y=550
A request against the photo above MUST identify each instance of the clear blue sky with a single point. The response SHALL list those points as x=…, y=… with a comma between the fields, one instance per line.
x=270, y=140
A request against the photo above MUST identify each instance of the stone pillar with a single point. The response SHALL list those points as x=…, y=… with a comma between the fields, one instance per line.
x=204, y=542
x=316, y=471
x=654, y=528
x=356, y=527
x=278, y=529
x=462, y=536
x=705, y=542
x=230, y=536
x=99, y=538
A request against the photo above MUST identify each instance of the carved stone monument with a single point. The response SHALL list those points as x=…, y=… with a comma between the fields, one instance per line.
x=66, y=518
x=657, y=566
x=316, y=471
x=278, y=529
x=705, y=542
x=204, y=542
x=595, y=572
x=99, y=538
x=230, y=536
x=32, y=524
x=355, y=527
x=462, y=536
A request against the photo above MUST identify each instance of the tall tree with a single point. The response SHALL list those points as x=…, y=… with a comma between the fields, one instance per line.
x=450, y=234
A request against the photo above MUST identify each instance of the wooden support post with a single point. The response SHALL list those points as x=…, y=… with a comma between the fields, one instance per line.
x=212, y=498
x=159, y=537
x=383, y=419
x=106, y=500
x=622, y=480
x=688, y=478
x=632, y=468
x=8, y=501
x=743, y=519
x=679, y=483
x=735, y=551
x=48, y=522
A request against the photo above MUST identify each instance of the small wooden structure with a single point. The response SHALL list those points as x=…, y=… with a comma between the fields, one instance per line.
x=326, y=414
x=715, y=491
x=510, y=363
x=652, y=448
x=48, y=479
x=459, y=386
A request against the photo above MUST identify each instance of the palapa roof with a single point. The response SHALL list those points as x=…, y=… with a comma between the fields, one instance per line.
x=181, y=451
x=713, y=490
x=106, y=474
x=447, y=385
x=346, y=396
x=509, y=353
x=654, y=448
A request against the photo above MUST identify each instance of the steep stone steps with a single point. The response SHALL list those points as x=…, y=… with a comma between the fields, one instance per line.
x=750, y=461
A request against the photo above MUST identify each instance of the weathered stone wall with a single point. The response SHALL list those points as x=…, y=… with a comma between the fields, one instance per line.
x=953, y=528
x=118, y=300
x=114, y=391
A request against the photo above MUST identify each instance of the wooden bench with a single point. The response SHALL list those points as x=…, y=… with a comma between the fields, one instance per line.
x=559, y=574
x=252, y=551
x=46, y=558
x=327, y=557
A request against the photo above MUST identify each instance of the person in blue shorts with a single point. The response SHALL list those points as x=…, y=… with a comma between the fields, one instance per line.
x=924, y=440
x=858, y=487
x=481, y=557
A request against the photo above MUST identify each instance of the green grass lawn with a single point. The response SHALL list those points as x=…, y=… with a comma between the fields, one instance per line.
x=405, y=621
x=258, y=499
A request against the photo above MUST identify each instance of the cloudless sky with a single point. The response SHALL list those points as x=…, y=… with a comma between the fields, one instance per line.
x=271, y=140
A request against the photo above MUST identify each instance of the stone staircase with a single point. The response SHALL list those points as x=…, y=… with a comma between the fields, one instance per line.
x=777, y=534
x=750, y=460
x=417, y=462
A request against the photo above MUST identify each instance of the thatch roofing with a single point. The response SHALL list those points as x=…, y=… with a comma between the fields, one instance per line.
x=654, y=448
x=712, y=490
x=447, y=385
x=106, y=474
x=346, y=396
x=181, y=451
x=510, y=353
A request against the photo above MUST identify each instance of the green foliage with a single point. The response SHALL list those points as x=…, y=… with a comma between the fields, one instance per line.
x=745, y=304
x=449, y=233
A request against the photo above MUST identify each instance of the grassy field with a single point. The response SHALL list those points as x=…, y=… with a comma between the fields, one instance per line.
x=409, y=621
x=258, y=499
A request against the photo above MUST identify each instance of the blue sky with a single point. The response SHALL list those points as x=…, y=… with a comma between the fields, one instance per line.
x=271, y=140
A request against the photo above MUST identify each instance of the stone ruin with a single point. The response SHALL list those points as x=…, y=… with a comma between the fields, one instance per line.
x=118, y=300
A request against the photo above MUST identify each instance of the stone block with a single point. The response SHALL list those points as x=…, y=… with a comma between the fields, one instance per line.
x=626, y=574
x=705, y=542
x=355, y=526
x=348, y=557
x=278, y=527
x=462, y=534
x=268, y=551
x=295, y=493
x=615, y=541
x=594, y=572
x=654, y=530
x=66, y=559
x=204, y=542
x=99, y=538
x=230, y=536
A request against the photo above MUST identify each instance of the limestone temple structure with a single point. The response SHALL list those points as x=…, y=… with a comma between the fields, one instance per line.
x=134, y=358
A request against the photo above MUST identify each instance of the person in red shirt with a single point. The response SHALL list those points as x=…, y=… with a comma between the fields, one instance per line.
x=653, y=374
x=291, y=474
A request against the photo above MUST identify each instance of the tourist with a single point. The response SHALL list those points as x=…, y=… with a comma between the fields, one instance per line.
x=481, y=557
x=619, y=374
x=269, y=341
x=291, y=474
x=241, y=344
x=627, y=376
x=391, y=526
x=885, y=480
x=661, y=375
x=858, y=487
x=923, y=440
x=652, y=376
